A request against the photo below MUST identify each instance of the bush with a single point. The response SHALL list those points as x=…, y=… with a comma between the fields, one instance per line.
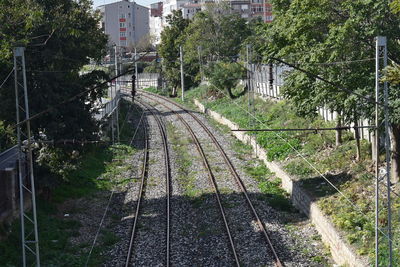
x=225, y=75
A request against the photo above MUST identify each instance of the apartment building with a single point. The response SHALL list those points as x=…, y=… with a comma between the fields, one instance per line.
x=171, y=5
x=261, y=9
x=156, y=21
x=247, y=9
x=125, y=22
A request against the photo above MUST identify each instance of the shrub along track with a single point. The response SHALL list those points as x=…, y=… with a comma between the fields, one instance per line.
x=261, y=227
x=130, y=259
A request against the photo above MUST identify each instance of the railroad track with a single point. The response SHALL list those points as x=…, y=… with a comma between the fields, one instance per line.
x=231, y=168
x=142, y=183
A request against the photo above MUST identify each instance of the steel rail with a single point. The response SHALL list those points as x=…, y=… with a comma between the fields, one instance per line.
x=233, y=171
x=140, y=196
x=213, y=182
x=167, y=175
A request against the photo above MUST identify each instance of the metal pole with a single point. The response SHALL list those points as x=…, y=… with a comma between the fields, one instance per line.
x=182, y=75
x=200, y=62
x=265, y=12
x=377, y=153
x=32, y=179
x=20, y=166
x=117, y=90
x=388, y=159
x=19, y=66
x=116, y=69
x=249, y=83
x=384, y=202
x=136, y=71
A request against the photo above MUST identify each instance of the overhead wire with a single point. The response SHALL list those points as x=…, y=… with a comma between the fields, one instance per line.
x=6, y=79
x=129, y=70
x=107, y=206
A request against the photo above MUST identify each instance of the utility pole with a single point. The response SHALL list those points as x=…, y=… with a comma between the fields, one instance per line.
x=182, y=74
x=383, y=226
x=30, y=243
x=200, y=62
x=250, y=86
x=136, y=71
x=116, y=95
x=265, y=12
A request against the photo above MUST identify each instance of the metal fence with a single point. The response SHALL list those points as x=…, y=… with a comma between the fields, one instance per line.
x=109, y=106
x=145, y=80
x=268, y=80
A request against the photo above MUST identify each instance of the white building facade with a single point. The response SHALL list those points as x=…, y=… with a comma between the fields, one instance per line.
x=156, y=22
x=125, y=22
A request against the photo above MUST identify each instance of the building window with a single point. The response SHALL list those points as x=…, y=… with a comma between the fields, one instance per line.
x=129, y=15
x=122, y=24
x=122, y=15
x=123, y=42
x=130, y=34
x=122, y=34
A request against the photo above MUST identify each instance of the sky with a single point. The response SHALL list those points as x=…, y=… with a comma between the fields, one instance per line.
x=140, y=2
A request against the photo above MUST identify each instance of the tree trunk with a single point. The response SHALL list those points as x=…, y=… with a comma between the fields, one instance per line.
x=338, y=132
x=231, y=96
x=357, y=136
x=395, y=157
x=174, y=92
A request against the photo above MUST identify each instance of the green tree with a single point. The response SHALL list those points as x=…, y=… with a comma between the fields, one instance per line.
x=171, y=39
x=329, y=38
x=225, y=75
x=215, y=35
x=60, y=38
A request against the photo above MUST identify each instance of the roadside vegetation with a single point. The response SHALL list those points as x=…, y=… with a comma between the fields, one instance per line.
x=100, y=170
x=312, y=158
x=331, y=40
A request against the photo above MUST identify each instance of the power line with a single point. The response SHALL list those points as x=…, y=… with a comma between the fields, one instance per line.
x=336, y=62
x=79, y=94
x=315, y=76
x=301, y=156
x=6, y=79
x=303, y=129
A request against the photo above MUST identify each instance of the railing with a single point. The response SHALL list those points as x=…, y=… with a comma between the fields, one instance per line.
x=268, y=80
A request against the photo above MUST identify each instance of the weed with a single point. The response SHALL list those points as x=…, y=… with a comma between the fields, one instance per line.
x=108, y=238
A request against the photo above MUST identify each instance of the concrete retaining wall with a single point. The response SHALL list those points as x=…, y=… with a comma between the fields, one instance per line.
x=342, y=252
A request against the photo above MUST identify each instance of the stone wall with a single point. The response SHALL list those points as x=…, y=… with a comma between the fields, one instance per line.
x=342, y=252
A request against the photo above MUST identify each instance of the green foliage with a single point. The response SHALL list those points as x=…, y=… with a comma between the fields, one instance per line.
x=395, y=6
x=215, y=34
x=393, y=74
x=309, y=33
x=153, y=67
x=171, y=39
x=98, y=171
x=225, y=75
x=55, y=247
x=7, y=136
x=277, y=148
x=61, y=37
x=299, y=168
